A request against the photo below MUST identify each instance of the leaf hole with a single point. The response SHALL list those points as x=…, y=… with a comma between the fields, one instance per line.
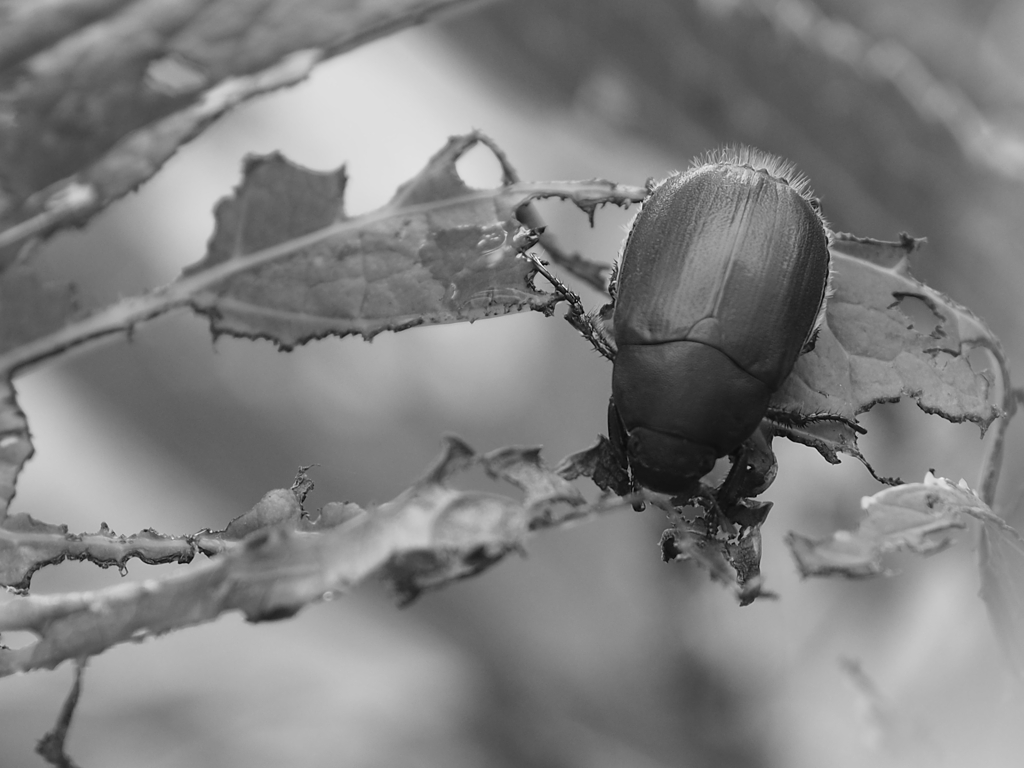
x=923, y=318
x=17, y=639
x=904, y=441
x=479, y=168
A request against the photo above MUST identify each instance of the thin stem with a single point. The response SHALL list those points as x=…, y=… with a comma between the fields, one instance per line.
x=991, y=467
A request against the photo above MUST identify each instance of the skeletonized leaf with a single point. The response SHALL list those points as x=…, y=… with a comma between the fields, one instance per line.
x=426, y=537
x=97, y=96
x=916, y=517
x=438, y=252
x=869, y=351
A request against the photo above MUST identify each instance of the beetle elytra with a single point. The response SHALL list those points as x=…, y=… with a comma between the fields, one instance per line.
x=721, y=285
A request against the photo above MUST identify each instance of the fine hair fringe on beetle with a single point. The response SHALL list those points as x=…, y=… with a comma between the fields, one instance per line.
x=721, y=285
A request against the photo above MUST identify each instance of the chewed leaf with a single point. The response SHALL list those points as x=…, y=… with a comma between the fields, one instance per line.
x=275, y=558
x=871, y=351
x=439, y=252
x=731, y=557
x=890, y=255
x=600, y=465
x=829, y=438
x=916, y=517
x=96, y=98
x=285, y=263
x=522, y=467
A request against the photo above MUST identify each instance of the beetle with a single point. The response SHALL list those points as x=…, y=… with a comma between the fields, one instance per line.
x=721, y=285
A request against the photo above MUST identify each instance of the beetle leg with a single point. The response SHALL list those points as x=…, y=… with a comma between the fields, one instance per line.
x=613, y=281
x=811, y=341
x=594, y=328
x=795, y=419
x=617, y=440
x=753, y=468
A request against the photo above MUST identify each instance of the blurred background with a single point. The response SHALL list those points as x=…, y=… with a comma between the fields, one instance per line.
x=907, y=116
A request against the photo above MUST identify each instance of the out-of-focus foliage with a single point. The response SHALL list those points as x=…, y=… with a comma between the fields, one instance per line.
x=872, y=100
x=96, y=96
x=30, y=307
x=658, y=678
x=1001, y=551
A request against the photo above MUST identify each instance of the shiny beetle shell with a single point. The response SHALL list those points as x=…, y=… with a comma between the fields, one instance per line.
x=721, y=285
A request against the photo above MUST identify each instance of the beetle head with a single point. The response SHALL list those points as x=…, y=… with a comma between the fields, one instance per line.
x=659, y=461
x=667, y=463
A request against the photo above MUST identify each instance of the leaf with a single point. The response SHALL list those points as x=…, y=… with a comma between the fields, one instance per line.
x=438, y=252
x=522, y=467
x=424, y=257
x=97, y=96
x=916, y=517
x=731, y=557
x=15, y=448
x=1001, y=559
x=597, y=462
x=277, y=507
x=31, y=307
x=428, y=536
x=869, y=350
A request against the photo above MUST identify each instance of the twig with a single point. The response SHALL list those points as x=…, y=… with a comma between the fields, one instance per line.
x=991, y=466
x=51, y=746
